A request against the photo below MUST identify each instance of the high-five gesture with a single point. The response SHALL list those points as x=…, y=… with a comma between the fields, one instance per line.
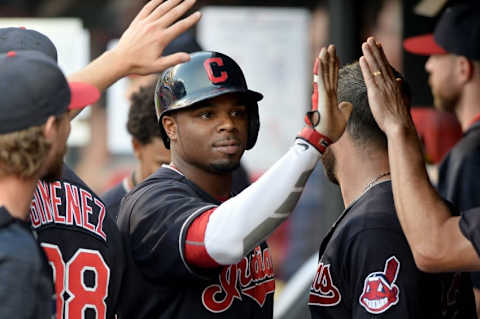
x=139, y=50
x=385, y=96
x=327, y=119
x=155, y=26
x=326, y=116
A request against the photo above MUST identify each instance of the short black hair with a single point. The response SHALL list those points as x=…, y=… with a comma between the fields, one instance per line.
x=361, y=125
x=142, y=121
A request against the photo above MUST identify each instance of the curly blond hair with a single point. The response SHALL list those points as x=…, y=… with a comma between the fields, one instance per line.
x=22, y=153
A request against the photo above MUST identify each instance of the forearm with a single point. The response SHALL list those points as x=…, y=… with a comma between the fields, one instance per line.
x=235, y=227
x=241, y=223
x=432, y=233
x=102, y=72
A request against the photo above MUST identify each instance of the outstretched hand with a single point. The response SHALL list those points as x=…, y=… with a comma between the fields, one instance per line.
x=385, y=96
x=154, y=27
x=139, y=50
x=327, y=116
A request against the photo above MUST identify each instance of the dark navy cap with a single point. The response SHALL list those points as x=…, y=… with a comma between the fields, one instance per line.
x=20, y=39
x=33, y=88
x=457, y=32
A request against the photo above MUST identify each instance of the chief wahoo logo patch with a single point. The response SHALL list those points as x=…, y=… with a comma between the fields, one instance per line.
x=380, y=291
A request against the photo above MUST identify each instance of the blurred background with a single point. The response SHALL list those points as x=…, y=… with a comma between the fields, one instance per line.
x=275, y=42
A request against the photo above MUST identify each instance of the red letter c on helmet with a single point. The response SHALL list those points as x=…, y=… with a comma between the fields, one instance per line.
x=209, y=63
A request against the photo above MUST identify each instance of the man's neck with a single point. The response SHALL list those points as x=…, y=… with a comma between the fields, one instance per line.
x=359, y=171
x=468, y=105
x=217, y=186
x=16, y=195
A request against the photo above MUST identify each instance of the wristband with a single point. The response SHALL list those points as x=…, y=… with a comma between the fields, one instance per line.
x=313, y=137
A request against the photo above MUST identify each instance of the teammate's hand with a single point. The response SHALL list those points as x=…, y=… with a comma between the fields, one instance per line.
x=387, y=101
x=155, y=26
x=327, y=116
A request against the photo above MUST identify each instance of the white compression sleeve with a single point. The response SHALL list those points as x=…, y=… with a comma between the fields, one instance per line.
x=242, y=222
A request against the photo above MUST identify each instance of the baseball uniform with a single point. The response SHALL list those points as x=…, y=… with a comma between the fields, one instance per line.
x=113, y=197
x=154, y=219
x=82, y=244
x=457, y=180
x=469, y=222
x=367, y=270
x=25, y=279
x=457, y=176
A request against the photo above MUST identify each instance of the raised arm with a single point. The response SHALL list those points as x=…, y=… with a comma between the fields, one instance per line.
x=139, y=50
x=434, y=236
x=231, y=230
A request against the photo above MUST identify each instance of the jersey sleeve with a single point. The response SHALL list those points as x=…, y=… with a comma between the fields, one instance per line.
x=158, y=224
x=20, y=278
x=17, y=290
x=469, y=222
x=455, y=179
x=385, y=281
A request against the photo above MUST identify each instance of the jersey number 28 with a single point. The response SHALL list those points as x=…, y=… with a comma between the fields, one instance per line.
x=69, y=278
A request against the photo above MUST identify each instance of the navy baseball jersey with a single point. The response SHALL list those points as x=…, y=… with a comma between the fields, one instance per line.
x=112, y=199
x=154, y=219
x=26, y=286
x=367, y=270
x=83, y=246
x=469, y=222
x=458, y=174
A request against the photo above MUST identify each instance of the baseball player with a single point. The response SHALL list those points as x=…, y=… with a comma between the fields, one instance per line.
x=81, y=241
x=142, y=124
x=196, y=249
x=452, y=55
x=366, y=268
x=147, y=145
x=33, y=133
x=438, y=240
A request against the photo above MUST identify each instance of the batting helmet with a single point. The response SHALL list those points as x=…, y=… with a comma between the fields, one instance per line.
x=205, y=76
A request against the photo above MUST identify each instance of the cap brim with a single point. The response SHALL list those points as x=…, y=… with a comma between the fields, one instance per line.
x=82, y=95
x=423, y=45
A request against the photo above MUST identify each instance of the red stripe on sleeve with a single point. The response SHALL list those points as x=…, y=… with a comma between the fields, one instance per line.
x=195, y=252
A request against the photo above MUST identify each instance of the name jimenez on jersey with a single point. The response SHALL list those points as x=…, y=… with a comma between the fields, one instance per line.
x=79, y=207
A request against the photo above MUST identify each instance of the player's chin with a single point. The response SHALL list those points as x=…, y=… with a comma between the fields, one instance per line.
x=224, y=166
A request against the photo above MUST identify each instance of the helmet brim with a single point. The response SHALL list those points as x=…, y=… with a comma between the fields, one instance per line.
x=191, y=100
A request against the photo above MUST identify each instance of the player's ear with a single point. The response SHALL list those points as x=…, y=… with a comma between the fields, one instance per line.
x=170, y=127
x=346, y=109
x=465, y=68
x=137, y=146
x=50, y=129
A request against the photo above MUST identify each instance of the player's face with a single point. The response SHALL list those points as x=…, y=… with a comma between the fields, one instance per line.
x=58, y=150
x=213, y=136
x=441, y=70
x=151, y=156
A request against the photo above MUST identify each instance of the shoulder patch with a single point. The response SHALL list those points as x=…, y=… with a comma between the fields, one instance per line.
x=380, y=291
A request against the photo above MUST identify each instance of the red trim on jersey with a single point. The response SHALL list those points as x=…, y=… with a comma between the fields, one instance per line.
x=195, y=252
